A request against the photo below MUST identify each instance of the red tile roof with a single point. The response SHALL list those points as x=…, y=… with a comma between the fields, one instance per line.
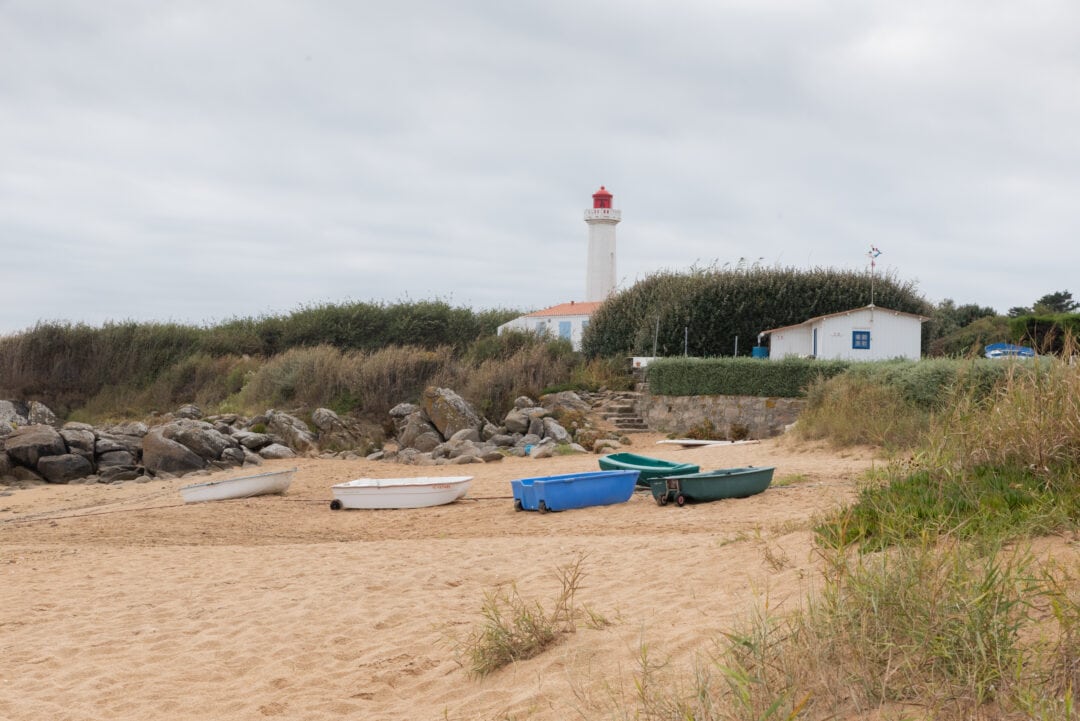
x=571, y=308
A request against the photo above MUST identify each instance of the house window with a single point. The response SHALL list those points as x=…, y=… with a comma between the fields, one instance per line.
x=860, y=339
x=564, y=329
x=540, y=327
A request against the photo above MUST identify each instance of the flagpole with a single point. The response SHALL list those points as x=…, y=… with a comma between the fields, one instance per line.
x=873, y=254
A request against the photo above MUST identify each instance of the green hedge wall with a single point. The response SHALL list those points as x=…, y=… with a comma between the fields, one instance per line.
x=786, y=378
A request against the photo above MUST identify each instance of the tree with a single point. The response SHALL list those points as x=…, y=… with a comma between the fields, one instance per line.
x=1059, y=302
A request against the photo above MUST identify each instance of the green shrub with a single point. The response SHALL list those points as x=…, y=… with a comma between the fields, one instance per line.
x=702, y=313
x=786, y=378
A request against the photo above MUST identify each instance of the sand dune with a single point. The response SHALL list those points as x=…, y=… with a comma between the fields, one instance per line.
x=120, y=602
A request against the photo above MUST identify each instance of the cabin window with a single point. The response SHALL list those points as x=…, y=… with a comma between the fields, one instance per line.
x=564, y=329
x=860, y=339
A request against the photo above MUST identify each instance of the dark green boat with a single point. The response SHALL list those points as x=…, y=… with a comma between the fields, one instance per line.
x=647, y=467
x=711, y=485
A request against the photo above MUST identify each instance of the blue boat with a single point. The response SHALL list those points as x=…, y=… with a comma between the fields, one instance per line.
x=573, y=490
x=1008, y=350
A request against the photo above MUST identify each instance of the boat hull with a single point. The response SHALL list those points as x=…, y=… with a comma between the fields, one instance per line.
x=711, y=485
x=647, y=467
x=573, y=490
x=269, y=483
x=384, y=493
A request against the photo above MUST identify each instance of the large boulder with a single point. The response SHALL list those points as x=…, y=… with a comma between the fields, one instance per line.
x=517, y=421
x=200, y=437
x=162, y=454
x=27, y=444
x=64, y=468
x=40, y=414
x=448, y=411
x=334, y=433
x=564, y=401
x=107, y=442
x=115, y=458
x=293, y=431
x=5, y=466
x=13, y=414
x=554, y=431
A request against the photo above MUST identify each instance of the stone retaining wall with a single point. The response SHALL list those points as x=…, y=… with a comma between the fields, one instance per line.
x=736, y=417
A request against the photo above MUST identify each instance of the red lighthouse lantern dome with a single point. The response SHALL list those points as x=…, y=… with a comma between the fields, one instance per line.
x=601, y=198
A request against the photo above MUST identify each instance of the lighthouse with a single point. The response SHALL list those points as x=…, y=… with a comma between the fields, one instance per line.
x=600, y=263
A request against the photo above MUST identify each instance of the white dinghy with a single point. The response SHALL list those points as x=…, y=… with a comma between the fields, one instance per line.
x=241, y=487
x=399, y=492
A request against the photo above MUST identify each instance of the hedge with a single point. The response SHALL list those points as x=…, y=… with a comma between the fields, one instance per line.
x=786, y=378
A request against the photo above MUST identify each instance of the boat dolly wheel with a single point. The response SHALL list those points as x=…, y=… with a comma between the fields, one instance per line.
x=541, y=507
x=680, y=500
x=661, y=500
x=335, y=505
x=517, y=505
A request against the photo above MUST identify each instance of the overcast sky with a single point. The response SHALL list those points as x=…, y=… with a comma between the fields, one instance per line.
x=194, y=161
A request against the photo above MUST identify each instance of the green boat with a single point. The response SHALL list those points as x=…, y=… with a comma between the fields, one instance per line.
x=711, y=485
x=647, y=467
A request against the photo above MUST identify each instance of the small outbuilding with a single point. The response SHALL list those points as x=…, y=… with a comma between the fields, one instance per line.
x=566, y=320
x=870, y=333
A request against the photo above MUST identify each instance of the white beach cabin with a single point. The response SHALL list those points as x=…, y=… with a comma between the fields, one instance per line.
x=870, y=333
x=567, y=320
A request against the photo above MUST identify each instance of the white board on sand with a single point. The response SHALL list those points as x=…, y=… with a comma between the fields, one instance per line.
x=693, y=442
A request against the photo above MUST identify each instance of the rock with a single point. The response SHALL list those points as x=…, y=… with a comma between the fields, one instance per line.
x=79, y=441
x=13, y=414
x=6, y=429
x=448, y=411
x=107, y=441
x=492, y=457
x=189, y=411
x=6, y=468
x=136, y=429
x=334, y=432
x=542, y=451
x=252, y=441
x=413, y=428
x=162, y=454
x=517, y=421
x=233, y=456
x=293, y=431
x=490, y=430
x=115, y=458
x=25, y=475
x=200, y=437
x=376, y=456
x=524, y=402
x=252, y=459
x=466, y=434
x=462, y=460
x=27, y=444
x=276, y=451
x=39, y=414
x=117, y=474
x=536, y=426
x=554, y=431
x=564, y=401
x=64, y=468
x=502, y=440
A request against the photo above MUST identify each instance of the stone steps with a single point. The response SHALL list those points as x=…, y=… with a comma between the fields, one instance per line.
x=620, y=410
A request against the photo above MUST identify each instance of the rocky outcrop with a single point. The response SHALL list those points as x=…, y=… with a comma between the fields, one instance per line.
x=183, y=442
x=527, y=429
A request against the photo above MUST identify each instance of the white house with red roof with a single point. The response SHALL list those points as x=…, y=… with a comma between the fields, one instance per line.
x=569, y=320
x=869, y=333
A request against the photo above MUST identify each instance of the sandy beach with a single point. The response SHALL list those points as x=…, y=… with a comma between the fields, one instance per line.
x=120, y=602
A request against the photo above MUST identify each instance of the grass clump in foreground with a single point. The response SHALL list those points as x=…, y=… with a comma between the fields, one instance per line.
x=516, y=629
x=932, y=603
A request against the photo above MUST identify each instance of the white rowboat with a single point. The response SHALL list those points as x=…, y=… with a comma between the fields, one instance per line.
x=399, y=492
x=242, y=487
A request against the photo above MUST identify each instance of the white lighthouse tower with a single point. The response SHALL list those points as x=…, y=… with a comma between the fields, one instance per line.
x=600, y=264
